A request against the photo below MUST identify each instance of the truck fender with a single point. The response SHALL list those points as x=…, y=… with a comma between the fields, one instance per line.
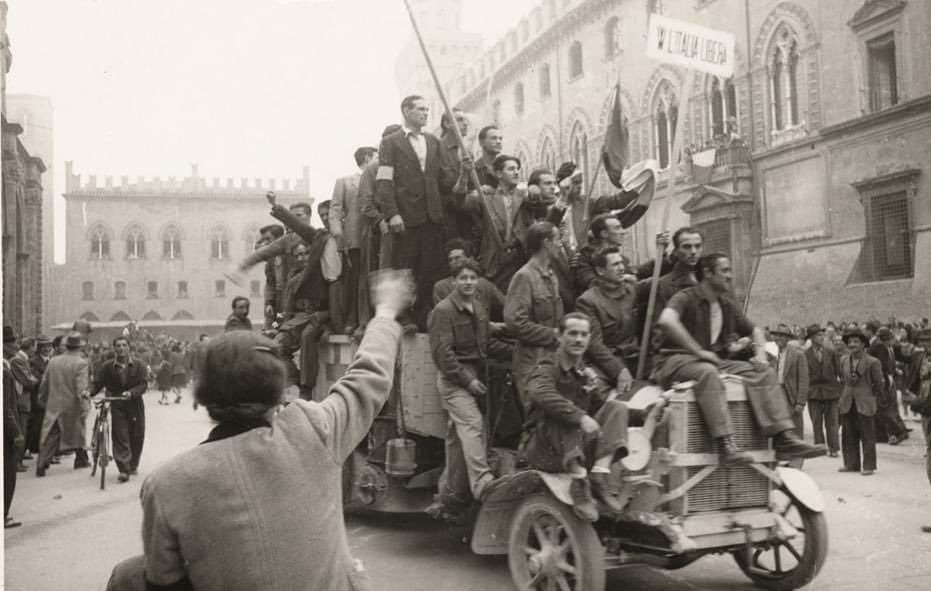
x=802, y=488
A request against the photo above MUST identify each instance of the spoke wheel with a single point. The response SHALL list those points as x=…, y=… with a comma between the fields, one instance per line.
x=793, y=563
x=550, y=548
x=103, y=451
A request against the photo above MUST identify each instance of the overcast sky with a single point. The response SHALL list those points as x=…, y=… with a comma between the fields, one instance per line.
x=245, y=88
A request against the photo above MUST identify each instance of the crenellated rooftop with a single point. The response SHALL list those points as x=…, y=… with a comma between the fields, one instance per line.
x=191, y=185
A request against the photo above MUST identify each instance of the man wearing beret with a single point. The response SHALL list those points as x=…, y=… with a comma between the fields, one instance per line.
x=824, y=389
x=863, y=381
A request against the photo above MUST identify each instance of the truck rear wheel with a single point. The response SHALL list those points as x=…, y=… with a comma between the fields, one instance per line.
x=790, y=564
x=551, y=548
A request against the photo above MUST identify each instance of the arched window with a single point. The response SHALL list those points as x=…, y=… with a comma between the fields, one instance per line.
x=575, y=60
x=784, y=78
x=100, y=243
x=722, y=106
x=665, y=115
x=152, y=315
x=135, y=243
x=171, y=243
x=219, y=244
x=183, y=315
x=612, y=37
x=579, y=146
x=119, y=290
x=548, y=155
x=121, y=317
x=90, y=317
x=519, y=98
x=182, y=289
x=87, y=290
x=545, y=81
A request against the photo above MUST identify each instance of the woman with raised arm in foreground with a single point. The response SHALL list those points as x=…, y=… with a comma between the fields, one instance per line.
x=258, y=505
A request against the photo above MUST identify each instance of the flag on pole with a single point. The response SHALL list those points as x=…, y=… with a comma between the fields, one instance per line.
x=616, y=151
x=703, y=166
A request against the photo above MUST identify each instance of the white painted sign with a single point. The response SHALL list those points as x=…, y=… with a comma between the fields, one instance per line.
x=684, y=44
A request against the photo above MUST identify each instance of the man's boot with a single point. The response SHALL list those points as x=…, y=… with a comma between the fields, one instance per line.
x=788, y=446
x=731, y=454
x=582, y=502
x=604, y=492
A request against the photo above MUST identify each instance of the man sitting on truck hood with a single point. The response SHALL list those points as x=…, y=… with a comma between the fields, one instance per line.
x=703, y=321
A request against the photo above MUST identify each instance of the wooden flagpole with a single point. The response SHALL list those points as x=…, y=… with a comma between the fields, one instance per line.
x=449, y=114
x=676, y=157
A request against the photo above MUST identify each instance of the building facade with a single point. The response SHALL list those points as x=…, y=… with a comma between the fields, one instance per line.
x=23, y=215
x=155, y=251
x=819, y=187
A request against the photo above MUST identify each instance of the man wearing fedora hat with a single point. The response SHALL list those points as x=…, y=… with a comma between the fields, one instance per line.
x=916, y=389
x=863, y=386
x=792, y=374
x=824, y=388
x=64, y=390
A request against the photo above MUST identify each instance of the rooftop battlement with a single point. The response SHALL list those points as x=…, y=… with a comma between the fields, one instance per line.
x=192, y=185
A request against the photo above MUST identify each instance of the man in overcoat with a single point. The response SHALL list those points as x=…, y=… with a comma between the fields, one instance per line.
x=824, y=389
x=37, y=363
x=64, y=391
x=863, y=386
x=124, y=376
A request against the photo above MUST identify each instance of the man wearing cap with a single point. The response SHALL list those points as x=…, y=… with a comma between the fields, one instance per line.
x=13, y=439
x=824, y=388
x=792, y=374
x=863, y=386
x=916, y=389
x=64, y=392
x=37, y=363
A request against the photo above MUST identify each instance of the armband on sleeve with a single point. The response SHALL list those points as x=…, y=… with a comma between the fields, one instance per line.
x=385, y=173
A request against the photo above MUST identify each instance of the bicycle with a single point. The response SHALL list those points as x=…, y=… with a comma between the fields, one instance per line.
x=101, y=441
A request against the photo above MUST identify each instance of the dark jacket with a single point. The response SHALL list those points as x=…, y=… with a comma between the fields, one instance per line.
x=11, y=427
x=306, y=286
x=234, y=322
x=795, y=376
x=558, y=391
x=403, y=188
x=532, y=314
x=460, y=341
x=135, y=382
x=613, y=324
x=863, y=385
x=823, y=376
x=694, y=310
x=490, y=295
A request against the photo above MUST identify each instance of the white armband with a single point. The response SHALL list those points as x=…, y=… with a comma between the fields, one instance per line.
x=385, y=173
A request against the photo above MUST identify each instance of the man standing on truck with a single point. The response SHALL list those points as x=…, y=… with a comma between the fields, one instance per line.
x=461, y=345
x=702, y=321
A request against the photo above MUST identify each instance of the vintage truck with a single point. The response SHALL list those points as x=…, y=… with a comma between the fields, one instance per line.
x=680, y=504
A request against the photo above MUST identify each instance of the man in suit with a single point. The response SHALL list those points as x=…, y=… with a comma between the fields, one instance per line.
x=824, y=388
x=13, y=439
x=63, y=392
x=889, y=424
x=124, y=376
x=26, y=383
x=460, y=224
x=792, y=374
x=409, y=185
x=37, y=363
x=346, y=228
x=863, y=386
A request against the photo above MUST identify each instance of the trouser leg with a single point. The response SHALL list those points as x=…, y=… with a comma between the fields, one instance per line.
x=120, y=433
x=49, y=446
x=613, y=418
x=9, y=473
x=310, y=351
x=832, y=422
x=454, y=490
x=867, y=440
x=34, y=429
x=709, y=389
x=288, y=339
x=850, y=440
x=128, y=575
x=429, y=266
x=926, y=426
x=351, y=288
x=465, y=414
x=816, y=413
x=769, y=404
x=798, y=419
x=137, y=437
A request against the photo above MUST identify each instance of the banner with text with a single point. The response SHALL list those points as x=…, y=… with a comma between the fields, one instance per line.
x=691, y=46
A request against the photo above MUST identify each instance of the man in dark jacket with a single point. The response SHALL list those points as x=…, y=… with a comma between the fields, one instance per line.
x=13, y=439
x=38, y=363
x=409, y=186
x=824, y=389
x=863, y=387
x=889, y=424
x=917, y=389
x=124, y=376
x=461, y=345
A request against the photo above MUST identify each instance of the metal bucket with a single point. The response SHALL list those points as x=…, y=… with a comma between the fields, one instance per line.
x=400, y=456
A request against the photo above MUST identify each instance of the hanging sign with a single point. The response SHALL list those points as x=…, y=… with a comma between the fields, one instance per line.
x=691, y=46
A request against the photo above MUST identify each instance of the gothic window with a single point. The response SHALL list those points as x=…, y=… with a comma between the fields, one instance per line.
x=784, y=80
x=722, y=103
x=548, y=155
x=90, y=317
x=171, y=243
x=152, y=315
x=219, y=244
x=665, y=115
x=579, y=146
x=87, y=290
x=519, y=98
x=575, y=60
x=545, y=81
x=119, y=290
x=151, y=289
x=612, y=37
x=881, y=70
x=183, y=315
x=182, y=290
x=100, y=243
x=121, y=317
x=135, y=243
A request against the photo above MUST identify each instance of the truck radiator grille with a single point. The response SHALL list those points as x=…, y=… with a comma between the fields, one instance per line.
x=728, y=488
x=747, y=435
